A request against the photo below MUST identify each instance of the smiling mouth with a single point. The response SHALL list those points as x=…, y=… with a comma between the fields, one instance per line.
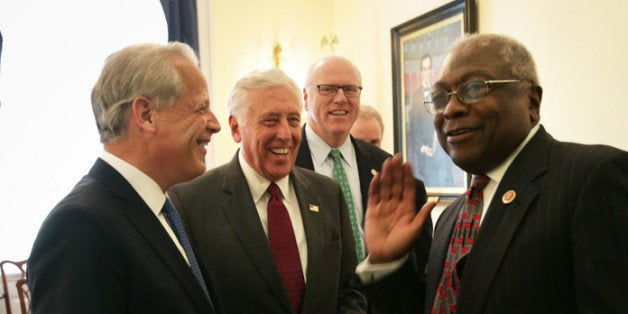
x=460, y=131
x=339, y=112
x=202, y=143
x=280, y=151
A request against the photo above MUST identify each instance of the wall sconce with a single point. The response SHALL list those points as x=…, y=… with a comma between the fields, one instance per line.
x=277, y=55
x=330, y=40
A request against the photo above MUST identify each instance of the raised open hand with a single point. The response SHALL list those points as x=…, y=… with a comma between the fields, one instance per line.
x=392, y=224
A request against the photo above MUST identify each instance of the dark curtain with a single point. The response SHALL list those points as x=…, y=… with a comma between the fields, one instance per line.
x=182, y=21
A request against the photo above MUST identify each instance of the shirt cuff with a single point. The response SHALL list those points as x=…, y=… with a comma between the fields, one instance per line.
x=369, y=272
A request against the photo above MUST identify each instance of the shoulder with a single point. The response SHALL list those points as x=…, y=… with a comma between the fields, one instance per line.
x=586, y=156
x=209, y=178
x=307, y=175
x=369, y=151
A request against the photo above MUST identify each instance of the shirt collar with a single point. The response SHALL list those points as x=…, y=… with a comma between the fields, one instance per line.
x=498, y=173
x=258, y=184
x=144, y=185
x=320, y=149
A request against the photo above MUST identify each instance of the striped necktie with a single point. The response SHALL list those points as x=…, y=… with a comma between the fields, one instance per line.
x=177, y=226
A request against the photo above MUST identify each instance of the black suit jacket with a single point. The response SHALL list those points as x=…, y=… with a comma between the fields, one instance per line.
x=560, y=247
x=370, y=157
x=102, y=250
x=219, y=212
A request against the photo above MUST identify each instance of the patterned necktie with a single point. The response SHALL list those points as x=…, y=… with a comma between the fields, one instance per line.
x=341, y=177
x=284, y=247
x=466, y=227
x=177, y=226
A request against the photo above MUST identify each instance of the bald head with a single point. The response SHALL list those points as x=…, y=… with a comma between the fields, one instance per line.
x=331, y=115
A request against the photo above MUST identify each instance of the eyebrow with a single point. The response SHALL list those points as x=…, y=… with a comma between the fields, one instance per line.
x=477, y=73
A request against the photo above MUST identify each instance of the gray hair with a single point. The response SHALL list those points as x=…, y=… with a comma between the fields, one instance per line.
x=514, y=57
x=139, y=70
x=258, y=79
x=367, y=112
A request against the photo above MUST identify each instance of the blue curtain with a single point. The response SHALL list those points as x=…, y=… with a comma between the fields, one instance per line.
x=182, y=21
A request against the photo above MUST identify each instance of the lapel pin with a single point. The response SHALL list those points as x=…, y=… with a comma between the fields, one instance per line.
x=373, y=172
x=509, y=196
x=313, y=208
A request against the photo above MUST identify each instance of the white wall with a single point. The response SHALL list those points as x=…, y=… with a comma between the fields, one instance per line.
x=578, y=46
x=52, y=55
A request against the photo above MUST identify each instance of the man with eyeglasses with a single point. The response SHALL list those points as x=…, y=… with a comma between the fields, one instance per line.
x=332, y=102
x=542, y=228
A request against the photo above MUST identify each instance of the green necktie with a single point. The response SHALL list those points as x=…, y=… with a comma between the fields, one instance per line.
x=341, y=177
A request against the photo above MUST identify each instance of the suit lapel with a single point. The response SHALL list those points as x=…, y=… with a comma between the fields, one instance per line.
x=364, y=160
x=241, y=212
x=147, y=224
x=502, y=221
x=313, y=225
x=304, y=156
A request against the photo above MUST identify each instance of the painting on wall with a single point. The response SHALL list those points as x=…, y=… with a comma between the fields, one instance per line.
x=418, y=50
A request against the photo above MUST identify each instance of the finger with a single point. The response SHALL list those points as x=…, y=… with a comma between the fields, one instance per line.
x=374, y=192
x=424, y=214
x=386, y=179
x=409, y=183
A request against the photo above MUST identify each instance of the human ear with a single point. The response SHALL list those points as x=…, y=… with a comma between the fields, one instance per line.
x=234, y=125
x=143, y=113
x=536, y=94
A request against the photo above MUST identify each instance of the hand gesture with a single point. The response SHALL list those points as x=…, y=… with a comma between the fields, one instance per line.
x=391, y=223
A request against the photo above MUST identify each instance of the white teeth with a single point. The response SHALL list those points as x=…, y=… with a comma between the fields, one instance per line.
x=280, y=151
x=339, y=112
x=456, y=132
x=201, y=143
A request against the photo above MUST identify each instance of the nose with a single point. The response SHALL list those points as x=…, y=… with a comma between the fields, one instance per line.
x=213, y=126
x=455, y=107
x=340, y=96
x=283, y=130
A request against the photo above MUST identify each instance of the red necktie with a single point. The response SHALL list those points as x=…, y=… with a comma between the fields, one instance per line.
x=466, y=227
x=284, y=247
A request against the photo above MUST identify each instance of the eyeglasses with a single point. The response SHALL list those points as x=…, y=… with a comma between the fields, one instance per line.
x=332, y=90
x=468, y=93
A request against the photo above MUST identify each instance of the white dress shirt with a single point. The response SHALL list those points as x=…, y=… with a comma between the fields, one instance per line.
x=259, y=186
x=324, y=165
x=148, y=190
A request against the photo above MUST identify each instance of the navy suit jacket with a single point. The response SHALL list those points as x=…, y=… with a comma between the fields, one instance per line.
x=102, y=250
x=220, y=216
x=560, y=247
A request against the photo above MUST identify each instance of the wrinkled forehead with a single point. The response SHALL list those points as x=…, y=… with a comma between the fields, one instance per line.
x=469, y=59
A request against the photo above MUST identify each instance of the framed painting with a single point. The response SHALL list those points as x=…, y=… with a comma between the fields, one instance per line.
x=418, y=49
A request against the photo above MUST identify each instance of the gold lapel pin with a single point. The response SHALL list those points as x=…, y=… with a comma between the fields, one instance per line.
x=509, y=196
x=314, y=208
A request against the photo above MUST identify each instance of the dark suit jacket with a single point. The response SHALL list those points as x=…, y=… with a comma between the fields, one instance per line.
x=102, y=250
x=369, y=157
x=560, y=247
x=219, y=212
